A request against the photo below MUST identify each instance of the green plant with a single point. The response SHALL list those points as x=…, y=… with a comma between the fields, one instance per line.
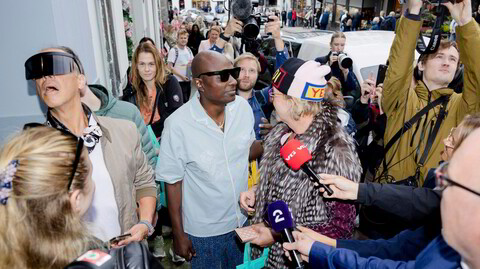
x=128, y=25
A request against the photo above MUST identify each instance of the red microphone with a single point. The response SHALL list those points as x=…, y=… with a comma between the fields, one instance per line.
x=296, y=155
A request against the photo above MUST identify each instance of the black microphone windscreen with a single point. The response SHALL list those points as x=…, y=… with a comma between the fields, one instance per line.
x=241, y=9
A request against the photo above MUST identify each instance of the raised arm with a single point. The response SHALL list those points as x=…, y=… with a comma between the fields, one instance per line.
x=402, y=52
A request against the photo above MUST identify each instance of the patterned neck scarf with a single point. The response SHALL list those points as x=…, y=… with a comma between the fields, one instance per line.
x=91, y=134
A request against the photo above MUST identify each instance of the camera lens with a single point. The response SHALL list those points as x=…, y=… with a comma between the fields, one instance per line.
x=250, y=28
x=345, y=61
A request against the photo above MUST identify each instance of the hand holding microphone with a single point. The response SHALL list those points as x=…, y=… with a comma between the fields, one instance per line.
x=281, y=221
x=296, y=155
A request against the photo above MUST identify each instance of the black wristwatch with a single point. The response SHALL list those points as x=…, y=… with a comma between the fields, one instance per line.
x=224, y=37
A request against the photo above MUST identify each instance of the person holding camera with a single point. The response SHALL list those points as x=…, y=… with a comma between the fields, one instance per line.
x=250, y=69
x=418, y=148
x=371, y=121
x=341, y=65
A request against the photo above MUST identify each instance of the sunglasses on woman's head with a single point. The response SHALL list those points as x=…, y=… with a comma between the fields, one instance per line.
x=443, y=180
x=78, y=152
x=224, y=74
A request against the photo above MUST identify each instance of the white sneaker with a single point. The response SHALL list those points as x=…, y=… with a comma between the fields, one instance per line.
x=176, y=258
x=166, y=231
x=157, y=245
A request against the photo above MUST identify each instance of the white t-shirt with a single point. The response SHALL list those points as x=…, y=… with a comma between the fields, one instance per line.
x=103, y=213
x=181, y=65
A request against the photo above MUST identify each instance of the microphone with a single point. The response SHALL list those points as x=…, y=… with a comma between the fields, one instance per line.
x=281, y=221
x=241, y=9
x=296, y=155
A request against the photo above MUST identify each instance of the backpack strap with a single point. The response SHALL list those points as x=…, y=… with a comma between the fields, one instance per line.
x=443, y=99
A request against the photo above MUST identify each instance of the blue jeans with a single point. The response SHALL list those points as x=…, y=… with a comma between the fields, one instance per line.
x=221, y=251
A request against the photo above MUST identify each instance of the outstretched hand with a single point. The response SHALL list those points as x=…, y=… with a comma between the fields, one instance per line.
x=343, y=188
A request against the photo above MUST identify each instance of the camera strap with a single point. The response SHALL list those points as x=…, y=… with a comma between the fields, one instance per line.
x=442, y=100
x=436, y=36
x=433, y=135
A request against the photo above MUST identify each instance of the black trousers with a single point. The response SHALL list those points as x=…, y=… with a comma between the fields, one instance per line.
x=186, y=90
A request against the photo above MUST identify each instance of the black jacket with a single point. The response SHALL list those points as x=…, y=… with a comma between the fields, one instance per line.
x=414, y=205
x=169, y=98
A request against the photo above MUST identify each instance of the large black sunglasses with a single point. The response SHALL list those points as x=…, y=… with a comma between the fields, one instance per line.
x=50, y=64
x=224, y=74
x=78, y=153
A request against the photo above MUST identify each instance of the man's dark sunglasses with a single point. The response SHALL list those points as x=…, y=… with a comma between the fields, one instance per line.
x=50, y=64
x=224, y=74
x=78, y=153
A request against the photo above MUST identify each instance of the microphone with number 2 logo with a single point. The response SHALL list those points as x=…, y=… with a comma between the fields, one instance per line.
x=281, y=221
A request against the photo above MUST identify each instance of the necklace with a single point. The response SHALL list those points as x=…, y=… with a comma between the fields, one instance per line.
x=221, y=124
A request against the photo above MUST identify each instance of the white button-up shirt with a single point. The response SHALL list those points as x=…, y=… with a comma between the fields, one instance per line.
x=212, y=164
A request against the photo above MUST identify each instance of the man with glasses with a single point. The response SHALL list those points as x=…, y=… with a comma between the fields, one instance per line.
x=204, y=157
x=120, y=169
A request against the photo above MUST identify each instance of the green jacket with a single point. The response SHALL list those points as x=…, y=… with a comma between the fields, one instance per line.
x=401, y=102
x=111, y=107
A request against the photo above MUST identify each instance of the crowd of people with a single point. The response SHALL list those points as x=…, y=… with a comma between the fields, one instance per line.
x=399, y=155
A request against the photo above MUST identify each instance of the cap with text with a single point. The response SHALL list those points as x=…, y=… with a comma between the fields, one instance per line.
x=302, y=79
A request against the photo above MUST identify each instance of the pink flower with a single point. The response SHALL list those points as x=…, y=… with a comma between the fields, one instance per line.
x=128, y=33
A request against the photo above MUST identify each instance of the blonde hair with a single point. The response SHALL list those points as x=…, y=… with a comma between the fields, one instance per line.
x=334, y=93
x=247, y=56
x=301, y=108
x=141, y=91
x=216, y=28
x=182, y=32
x=38, y=226
x=469, y=124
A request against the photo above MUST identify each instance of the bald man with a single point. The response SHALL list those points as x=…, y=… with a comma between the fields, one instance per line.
x=203, y=158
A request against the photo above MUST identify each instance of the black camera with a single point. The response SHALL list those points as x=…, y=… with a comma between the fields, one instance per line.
x=343, y=59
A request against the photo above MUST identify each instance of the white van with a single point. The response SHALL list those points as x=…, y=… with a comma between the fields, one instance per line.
x=368, y=49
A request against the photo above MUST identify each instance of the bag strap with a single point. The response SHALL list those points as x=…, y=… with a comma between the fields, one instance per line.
x=433, y=135
x=409, y=125
x=154, y=107
x=414, y=120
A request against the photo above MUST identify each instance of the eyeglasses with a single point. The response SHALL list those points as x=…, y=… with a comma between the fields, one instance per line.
x=78, y=153
x=443, y=181
x=224, y=74
x=50, y=64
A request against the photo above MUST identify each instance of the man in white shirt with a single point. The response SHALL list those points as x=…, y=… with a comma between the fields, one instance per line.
x=180, y=61
x=203, y=158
